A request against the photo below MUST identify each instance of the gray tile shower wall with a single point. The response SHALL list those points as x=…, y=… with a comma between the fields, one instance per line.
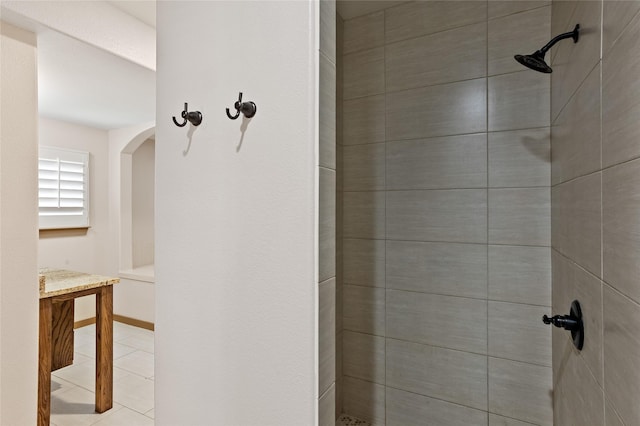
x=340, y=249
x=328, y=290
x=595, y=107
x=446, y=229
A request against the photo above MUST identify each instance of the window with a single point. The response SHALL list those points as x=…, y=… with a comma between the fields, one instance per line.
x=63, y=188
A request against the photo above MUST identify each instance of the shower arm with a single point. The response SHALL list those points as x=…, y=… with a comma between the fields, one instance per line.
x=571, y=34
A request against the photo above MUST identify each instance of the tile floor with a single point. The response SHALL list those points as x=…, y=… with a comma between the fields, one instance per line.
x=72, y=387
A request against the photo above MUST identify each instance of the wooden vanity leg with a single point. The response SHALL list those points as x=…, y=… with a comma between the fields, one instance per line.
x=44, y=361
x=104, y=349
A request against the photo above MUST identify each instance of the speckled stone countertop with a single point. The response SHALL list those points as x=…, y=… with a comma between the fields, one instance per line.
x=55, y=282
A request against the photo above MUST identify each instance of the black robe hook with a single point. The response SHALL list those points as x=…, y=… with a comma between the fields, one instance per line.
x=193, y=117
x=247, y=108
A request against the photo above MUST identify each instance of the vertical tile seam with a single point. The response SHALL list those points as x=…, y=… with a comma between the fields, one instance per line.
x=601, y=349
x=635, y=303
x=487, y=192
x=339, y=401
x=384, y=71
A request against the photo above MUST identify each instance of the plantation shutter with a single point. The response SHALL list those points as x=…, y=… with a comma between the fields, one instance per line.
x=63, y=188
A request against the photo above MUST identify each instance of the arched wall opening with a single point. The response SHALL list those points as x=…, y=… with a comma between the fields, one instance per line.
x=137, y=189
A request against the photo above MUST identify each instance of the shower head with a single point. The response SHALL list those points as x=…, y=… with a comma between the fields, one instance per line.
x=536, y=62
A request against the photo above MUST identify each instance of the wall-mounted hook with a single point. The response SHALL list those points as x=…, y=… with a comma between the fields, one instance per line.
x=247, y=108
x=193, y=117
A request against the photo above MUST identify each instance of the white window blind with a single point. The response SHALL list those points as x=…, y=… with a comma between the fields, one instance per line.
x=63, y=188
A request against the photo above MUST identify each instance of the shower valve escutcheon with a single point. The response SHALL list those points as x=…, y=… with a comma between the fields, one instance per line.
x=571, y=322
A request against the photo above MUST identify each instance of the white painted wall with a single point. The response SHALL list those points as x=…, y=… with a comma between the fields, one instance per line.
x=97, y=249
x=134, y=297
x=236, y=208
x=143, y=203
x=18, y=227
x=80, y=250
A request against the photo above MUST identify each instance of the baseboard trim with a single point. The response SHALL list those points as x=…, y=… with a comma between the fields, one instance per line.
x=119, y=318
x=134, y=322
x=84, y=322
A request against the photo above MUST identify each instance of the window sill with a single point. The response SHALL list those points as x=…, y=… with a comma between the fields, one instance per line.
x=63, y=232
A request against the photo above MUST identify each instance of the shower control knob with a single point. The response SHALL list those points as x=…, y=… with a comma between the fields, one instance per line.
x=571, y=322
x=561, y=321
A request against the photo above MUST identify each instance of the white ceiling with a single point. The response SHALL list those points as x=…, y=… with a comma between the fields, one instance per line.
x=144, y=10
x=82, y=84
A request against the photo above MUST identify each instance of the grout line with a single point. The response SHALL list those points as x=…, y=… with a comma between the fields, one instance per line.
x=384, y=71
x=452, y=135
x=519, y=11
x=444, y=83
x=590, y=174
x=622, y=32
x=434, y=34
x=573, y=262
x=414, y=342
x=490, y=244
x=402, y=40
x=623, y=295
x=422, y=395
x=571, y=97
x=473, y=188
x=604, y=282
x=487, y=113
x=388, y=289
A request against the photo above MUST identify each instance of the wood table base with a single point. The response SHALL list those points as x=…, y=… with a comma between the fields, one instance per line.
x=44, y=362
x=54, y=316
x=104, y=349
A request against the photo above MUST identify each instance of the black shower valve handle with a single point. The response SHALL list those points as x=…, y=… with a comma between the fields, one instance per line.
x=572, y=322
x=562, y=321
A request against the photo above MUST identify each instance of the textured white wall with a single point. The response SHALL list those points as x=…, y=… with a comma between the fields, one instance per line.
x=18, y=227
x=236, y=332
x=131, y=298
x=75, y=249
x=143, y=199
x=93, y=22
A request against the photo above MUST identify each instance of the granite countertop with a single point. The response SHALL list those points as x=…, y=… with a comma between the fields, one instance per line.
x=55, y=282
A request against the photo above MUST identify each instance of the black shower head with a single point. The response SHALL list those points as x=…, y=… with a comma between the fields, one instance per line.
x=536, y=62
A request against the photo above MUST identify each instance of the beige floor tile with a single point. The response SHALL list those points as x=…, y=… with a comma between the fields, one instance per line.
x=86, y=330
x=83, y=338
x=60, y=386
x=138, y=362
x=76, y=408
x=122, y=331
x=124, y=417
x=79, y=358
x=83, y=375
x=119, y=350
x=134, y=392
x=73, y=386
x=142, y=342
